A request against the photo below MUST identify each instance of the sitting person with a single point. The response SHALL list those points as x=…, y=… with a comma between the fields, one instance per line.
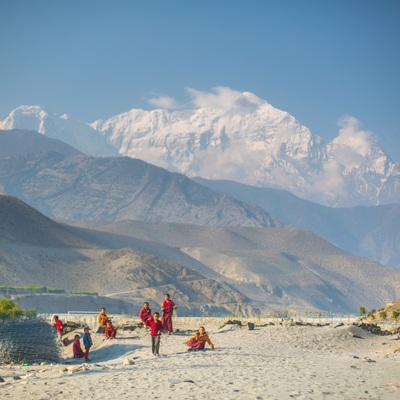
x=76, y=348
x=198, y=341
x=102, y=320
x=145, y=314
x=109, y=331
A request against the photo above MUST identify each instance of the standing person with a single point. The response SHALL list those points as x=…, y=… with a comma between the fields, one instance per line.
x=199, y=340
x=102, y=320
x=156, y=328
x=145, y=314
x=59, y=328
x=167, y=307
x=87, y=342
x=76, y=348
x=110, y=331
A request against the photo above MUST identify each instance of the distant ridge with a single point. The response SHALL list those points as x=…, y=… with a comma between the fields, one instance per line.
x=68, y=185
x=18, y=141
x=370, y=232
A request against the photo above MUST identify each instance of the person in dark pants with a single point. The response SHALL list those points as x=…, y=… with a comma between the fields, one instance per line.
x=156, y=328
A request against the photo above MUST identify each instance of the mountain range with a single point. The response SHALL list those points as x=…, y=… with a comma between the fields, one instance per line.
x=64, y=184
x=247, y=141
x=139, y=230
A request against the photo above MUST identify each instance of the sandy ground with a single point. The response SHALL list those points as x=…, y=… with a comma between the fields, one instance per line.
x=272, y=362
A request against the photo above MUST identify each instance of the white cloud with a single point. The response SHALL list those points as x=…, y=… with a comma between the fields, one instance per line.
x=351, y=149
x=220, y=97
x=352, y=137
x=164, y=102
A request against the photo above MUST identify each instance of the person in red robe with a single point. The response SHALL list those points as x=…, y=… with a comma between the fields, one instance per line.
x=145, y=314
x=109, y=331
x=76, y=348
x=156, y=327
x=167, y=307
x=199, y=340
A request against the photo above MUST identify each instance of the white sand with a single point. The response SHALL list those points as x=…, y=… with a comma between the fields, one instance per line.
x=273, y=362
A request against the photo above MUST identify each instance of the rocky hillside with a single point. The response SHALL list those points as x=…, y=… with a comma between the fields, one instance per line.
x=275, y=267
x=208, y=270
x=37, y=251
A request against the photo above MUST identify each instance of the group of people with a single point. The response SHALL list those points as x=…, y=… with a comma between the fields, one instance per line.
x=153, y=321
x=157, y=326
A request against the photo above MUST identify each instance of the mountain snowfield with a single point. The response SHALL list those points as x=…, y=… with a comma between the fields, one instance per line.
x=245, y=140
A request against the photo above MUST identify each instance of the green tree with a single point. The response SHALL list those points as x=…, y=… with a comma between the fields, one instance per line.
x=9, y=309
x=362, y=311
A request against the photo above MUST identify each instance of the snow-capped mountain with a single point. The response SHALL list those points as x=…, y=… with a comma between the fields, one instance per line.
x=73, y=132
x=246, y=140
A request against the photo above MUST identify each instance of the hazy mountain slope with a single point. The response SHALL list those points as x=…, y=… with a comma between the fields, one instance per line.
x=283, y=267
x=17, y=141
x=73, y=187
x=371, y=232
x=37, y=251
x=21, y=223
x=245, y=139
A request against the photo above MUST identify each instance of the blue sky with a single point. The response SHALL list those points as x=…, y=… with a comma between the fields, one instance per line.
x=319, y=60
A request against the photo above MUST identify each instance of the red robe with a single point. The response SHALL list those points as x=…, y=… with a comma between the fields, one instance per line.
x=167, y=315
x=145, y=315
x=77, y=349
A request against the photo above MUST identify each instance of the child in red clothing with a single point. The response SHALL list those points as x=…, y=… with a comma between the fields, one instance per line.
x=59, y=328
x=109, y=331
x=76, y=348
x=156, y=327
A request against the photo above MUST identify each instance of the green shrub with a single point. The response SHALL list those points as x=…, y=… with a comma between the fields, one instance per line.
x=383, y=314
x=395, y=314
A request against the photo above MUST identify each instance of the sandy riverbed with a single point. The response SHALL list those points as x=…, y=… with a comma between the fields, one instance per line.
x=271, y=362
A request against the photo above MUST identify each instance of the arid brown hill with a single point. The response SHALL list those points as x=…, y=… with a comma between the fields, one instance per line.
x=35, y=250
